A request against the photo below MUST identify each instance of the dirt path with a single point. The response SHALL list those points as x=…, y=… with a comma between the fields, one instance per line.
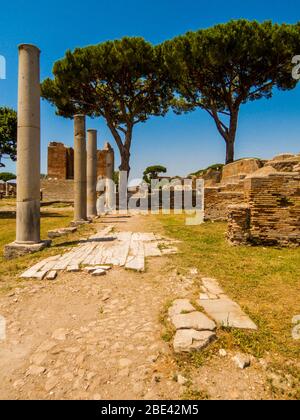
x=82, y=337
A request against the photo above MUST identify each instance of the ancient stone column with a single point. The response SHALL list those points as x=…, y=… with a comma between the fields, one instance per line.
x=110, y=167
x=28, y=146
x=28, y=155
x=80, y=180
x=91, y=173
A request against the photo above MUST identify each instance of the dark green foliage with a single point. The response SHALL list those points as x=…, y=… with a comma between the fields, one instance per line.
x=220, y=68
x=7, y=176
x=8, y=134
x=117, y=80
x=152, y=172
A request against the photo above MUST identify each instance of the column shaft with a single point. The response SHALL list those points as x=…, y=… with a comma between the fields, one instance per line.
x=91, y=173
x=80, y=181
x=110, y=167
x=28, y=146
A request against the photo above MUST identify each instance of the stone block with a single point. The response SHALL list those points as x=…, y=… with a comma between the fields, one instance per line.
x=15, y=250
x=194, y=320
x=188, y=341
x=180, y=306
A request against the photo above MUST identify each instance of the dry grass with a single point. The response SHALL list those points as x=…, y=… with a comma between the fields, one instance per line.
x=51, y=218
x=264, y=281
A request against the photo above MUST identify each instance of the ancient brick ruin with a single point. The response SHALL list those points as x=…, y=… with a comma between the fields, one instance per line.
x=260, y=199
x=271, y=213
x=61, y=161
x=59, y=185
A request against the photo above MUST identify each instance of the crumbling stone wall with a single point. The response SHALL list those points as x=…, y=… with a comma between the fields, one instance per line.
x=217, y=201
x=60, y=161
x=271, y=214
x=105, y=161
x=238, y=232
x=57, y=190
x=237, y=171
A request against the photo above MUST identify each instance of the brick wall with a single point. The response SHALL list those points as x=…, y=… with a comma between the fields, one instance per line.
x=217, y=202
x=58, y=190
x=274, y=210
x=61, y=161
x=57, y=161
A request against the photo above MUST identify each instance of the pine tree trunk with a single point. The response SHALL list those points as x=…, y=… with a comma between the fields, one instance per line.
x=125, y=159
x=229, y=151
x=230, y=138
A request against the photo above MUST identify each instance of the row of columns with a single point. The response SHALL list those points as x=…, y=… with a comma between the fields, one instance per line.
x=28, y=160
x=85, y=171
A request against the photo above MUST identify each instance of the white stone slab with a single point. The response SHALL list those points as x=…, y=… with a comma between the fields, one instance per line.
x=39, y=275
x=194, y=320
x=151, y=249
x=180, y=306
x=227, y=313
x=212, y=286
x=188, y=341
x=73, y=268
x=98, y=273
x=33, y=270
x=51, y=275
x=136, y=257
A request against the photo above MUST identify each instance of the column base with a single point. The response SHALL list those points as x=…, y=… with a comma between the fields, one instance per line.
x=92, y=218
x=15, y=249
x=80, y=223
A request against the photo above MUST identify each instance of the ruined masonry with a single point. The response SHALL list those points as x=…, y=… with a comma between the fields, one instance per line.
x=270, y=213
x=196, y=330
x=59, y=186
x=61, y=161
x=260, y=200
x=28, y=150
x=102, y=251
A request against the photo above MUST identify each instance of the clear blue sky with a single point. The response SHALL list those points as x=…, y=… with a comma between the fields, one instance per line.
x=182, y=143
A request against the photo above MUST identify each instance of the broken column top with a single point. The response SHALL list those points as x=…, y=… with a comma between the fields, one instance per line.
x=107, y=146
x=31, y=46
x=56, y=144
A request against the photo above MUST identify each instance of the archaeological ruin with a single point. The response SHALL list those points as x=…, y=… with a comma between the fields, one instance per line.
x=28, y=151
x=260, y=199
x=59, y=184
x=73, y=173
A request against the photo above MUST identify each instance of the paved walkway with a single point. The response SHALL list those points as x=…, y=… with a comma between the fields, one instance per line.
x=92, y=337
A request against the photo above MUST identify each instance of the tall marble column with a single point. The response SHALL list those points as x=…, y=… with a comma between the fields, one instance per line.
x=28, y=155
x=91, y=173
x=110, y=167
x=80, y=175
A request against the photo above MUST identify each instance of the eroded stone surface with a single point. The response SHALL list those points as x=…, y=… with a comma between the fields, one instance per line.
x=242, y=361
x=212, y=286
x=99, y=273
x=180, y=306
x=227, y=313
x=193, y=320
x=51, y=275
x=187, y=341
